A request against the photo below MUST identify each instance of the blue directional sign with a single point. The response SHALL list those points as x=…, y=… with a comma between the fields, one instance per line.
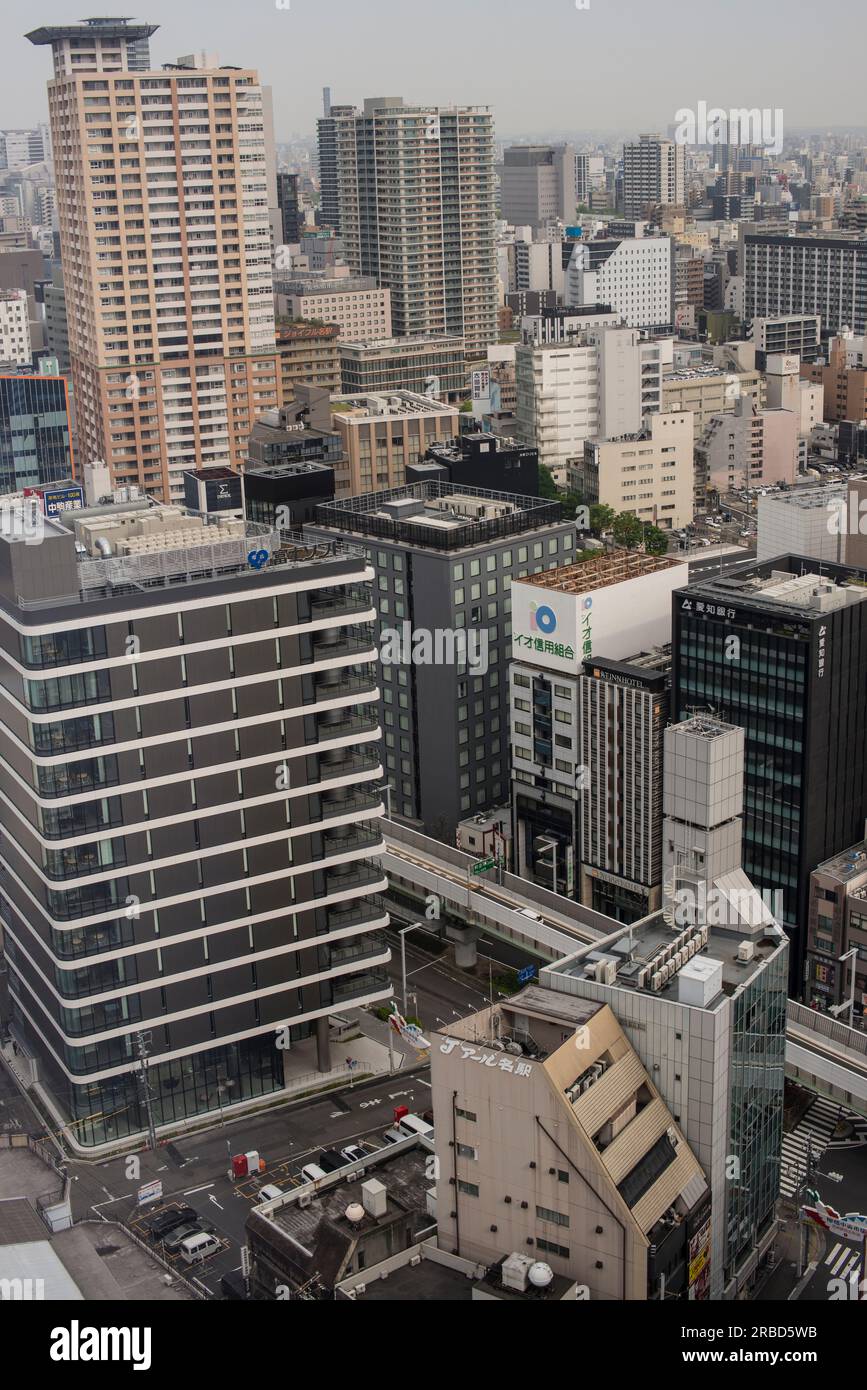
x=528, y=973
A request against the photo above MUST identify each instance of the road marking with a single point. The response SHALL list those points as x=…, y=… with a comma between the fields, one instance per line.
x=213, y=1199
x=336, y=1115
x=421, y=1082
x=108, y=1194
x=190, y=1190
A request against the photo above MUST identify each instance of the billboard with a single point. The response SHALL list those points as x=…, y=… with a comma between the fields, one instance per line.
x=58, y=497
x=223, y=494
x=559, y=630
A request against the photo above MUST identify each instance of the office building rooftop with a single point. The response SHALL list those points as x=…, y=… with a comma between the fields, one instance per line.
x=811, y=588
x=439, y=515
x=600, y=571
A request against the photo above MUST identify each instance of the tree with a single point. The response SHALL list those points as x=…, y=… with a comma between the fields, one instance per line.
x=655, y=541
x=601, y=518
x=628, y=530
x=547, y=487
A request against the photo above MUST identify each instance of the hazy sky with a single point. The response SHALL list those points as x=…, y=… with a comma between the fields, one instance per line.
x=542, y=65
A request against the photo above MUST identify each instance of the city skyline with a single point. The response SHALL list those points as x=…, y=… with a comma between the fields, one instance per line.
x=593, y=86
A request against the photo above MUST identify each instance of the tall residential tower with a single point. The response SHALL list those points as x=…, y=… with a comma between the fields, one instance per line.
x=162, y=198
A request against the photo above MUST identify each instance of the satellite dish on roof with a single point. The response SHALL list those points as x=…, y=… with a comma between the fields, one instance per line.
x=540, y=1275
x=354, y=1213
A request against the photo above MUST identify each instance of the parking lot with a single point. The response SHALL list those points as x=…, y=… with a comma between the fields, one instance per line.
x=196, y=1172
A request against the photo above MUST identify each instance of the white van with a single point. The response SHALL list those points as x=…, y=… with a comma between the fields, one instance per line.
x=311, y=1172
x=269, y=1192
x=198, y=1247
x=412, y=1124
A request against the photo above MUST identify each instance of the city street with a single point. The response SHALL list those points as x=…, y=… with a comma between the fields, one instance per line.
x=195, y=1171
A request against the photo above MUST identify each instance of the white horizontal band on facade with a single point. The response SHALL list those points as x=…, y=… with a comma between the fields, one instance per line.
x=43, y=674
x=212, y=1006
x=286, y=832
x=47, y=803
x=158, y=904
x=101, y=750
x=369, y=656
x=195, y=812
x=227, y=596
x=89, y=1078
x=358, y=893
x=209, y=967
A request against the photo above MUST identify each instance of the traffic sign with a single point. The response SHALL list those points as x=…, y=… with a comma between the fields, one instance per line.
x=482, y=866
x=528, y=973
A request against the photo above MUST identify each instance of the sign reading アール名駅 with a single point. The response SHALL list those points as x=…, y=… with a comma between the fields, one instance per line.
x=606, y=616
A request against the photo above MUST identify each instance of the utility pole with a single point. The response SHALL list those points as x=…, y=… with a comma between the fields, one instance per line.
x=142, y=1040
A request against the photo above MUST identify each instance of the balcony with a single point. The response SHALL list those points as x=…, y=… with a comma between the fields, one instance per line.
x=360, y=948
x=345, y=878
x=334, y=723
x=369, y=910
x=357, y=986
x=347, y=839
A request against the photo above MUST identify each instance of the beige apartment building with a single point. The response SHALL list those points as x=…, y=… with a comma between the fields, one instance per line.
x=553, y=1141
x=650, y=474
x=747, y=447
x=308, y=354
x=355, y=304
x=707, y=392
x=162, y=200
x=382, y=434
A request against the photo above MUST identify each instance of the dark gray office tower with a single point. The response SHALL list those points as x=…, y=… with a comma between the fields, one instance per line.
x=287, y=202
x=326, y=134
x=825, y=275
x=189, y=742
x=781, y=651
x=444, y=558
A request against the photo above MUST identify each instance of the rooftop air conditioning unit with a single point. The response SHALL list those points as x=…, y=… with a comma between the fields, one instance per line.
x=746, y=950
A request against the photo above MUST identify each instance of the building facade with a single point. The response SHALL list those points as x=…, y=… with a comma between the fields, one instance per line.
x=382, y=435
x=427, y=238
x=431, y=366
x=807, y=275
x=445, y=557
x=653, y=175
x=188, y=806
x=35, y=432
x=649, y=474
x=792, y=679
x=168, y=289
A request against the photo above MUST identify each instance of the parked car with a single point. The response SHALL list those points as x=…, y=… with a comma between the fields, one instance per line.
x=175, y=1239
x=158, y=1226
x=269, y=1192
x=393, y=1136
x=197, y=1248
x=353, y=1154
x=331, y=1160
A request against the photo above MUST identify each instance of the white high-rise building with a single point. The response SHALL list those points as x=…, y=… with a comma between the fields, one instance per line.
x=14, y=328
x=582, y=376
x=653, y=175
x=633, y=276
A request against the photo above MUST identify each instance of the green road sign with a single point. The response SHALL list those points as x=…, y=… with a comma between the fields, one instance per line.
x=483, y=865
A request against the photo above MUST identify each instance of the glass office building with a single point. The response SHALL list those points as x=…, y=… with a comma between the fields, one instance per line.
x=781, y=651
x=35, y=445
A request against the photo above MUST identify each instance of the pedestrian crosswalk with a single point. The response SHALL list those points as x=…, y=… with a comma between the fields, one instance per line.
x=844, y=1262
x=813, y=1131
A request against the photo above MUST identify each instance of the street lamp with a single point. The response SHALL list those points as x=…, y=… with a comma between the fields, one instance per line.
x=402, y=934
x=388, y=788
x=836, y=1009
